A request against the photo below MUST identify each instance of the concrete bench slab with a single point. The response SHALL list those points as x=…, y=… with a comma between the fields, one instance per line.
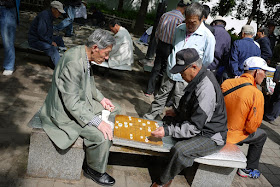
x=46, y=160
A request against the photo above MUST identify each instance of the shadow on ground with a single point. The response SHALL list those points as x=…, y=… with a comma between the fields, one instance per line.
x=20, y=96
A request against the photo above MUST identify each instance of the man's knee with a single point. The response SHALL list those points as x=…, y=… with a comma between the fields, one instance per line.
x=176, y=150
x=262, y=134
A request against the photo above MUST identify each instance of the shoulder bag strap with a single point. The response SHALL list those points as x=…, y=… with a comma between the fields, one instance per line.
x=235, y=88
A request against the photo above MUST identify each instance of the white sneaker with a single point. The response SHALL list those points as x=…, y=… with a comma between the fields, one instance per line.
x=8, y=72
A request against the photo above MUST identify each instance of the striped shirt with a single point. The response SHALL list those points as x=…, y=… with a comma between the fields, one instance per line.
x=167, y=25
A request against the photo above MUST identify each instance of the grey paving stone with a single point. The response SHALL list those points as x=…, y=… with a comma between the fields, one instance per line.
x=264, y=169
x=269, y=152
x=275, y=169
x=45, y=183
x=273, y=179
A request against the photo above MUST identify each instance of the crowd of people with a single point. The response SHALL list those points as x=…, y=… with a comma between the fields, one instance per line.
x=210, y=81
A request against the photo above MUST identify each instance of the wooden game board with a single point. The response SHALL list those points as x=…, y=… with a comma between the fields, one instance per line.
x=136, y=129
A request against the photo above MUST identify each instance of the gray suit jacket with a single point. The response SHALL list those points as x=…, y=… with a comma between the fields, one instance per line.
x=72, y=99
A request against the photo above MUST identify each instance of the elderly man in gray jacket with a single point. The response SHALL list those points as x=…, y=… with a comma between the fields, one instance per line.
x=73, y=105
x=199, y=124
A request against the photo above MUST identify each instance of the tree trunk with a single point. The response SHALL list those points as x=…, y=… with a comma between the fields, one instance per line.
x=140, y=20
x=120, y=5
x=152, y=44
x=254, y=11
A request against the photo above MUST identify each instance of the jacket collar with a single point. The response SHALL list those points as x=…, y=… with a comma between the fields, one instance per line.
x=250, y=78
x=199, y=31
x=84, y=58
x=248, y=39
x=50, y=14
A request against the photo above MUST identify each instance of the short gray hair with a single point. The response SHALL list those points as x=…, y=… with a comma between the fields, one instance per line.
x=195, y=9
x=198, y=62
x=101, y=38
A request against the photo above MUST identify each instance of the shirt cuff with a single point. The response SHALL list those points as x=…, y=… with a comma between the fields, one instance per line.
x=95, y=121
x=166, y=130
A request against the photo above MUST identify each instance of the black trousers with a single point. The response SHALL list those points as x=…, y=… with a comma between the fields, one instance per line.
x=256, y=141
x=162, y=53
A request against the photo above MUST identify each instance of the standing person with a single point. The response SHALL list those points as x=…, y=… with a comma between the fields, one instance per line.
x=273, y=106
x=73, y=105
x=9, y=18
x=199, y=124
x=165, y=34
x=272, y=38
x=241, y=50
x=264, y=42
x=222, y=47
x=40, y=34
x=206, y=12
x=122, y=52
x=191, y=34
x=245, y=108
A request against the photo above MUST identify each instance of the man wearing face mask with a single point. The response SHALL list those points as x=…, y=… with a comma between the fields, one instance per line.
x=192, y=34
x=73, y=105
x=245, y=108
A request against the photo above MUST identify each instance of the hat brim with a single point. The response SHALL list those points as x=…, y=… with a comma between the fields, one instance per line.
x=267, y=68
x=177, y=69
x=219, y=20
x=61, y=11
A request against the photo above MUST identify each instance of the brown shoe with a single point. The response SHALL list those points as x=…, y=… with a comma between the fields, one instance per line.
x=164, y=185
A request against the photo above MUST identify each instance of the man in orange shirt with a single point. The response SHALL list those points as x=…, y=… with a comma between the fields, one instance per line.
x=245, y=108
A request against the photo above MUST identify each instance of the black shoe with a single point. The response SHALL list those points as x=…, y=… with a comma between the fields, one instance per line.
x=100, y=178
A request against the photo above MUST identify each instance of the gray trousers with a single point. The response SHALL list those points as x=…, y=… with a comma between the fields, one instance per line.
x=183, y=153
x=167, y=88
x=97, y=148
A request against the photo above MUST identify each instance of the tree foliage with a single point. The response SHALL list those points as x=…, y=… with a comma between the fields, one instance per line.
x=249, y=9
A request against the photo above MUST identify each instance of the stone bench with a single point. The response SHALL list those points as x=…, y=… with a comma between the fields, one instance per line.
x=25, y=47
x=46, y=160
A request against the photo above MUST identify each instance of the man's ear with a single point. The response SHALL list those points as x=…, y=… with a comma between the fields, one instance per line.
x=194, y=66
x=95, y=47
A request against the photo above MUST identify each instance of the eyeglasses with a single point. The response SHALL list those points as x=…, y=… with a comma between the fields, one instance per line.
x=187, y=67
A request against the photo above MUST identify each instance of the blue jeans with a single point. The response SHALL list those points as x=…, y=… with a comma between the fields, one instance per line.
x=67, y=23
x=8, y=24
x=49, y=49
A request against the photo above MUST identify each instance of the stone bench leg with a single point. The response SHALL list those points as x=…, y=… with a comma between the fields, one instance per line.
x=46, y=160
x=207, y=175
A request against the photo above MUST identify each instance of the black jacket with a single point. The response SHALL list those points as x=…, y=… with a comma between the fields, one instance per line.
x=201, y=112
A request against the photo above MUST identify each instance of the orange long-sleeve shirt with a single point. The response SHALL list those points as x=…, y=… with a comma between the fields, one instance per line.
x=245, y=108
